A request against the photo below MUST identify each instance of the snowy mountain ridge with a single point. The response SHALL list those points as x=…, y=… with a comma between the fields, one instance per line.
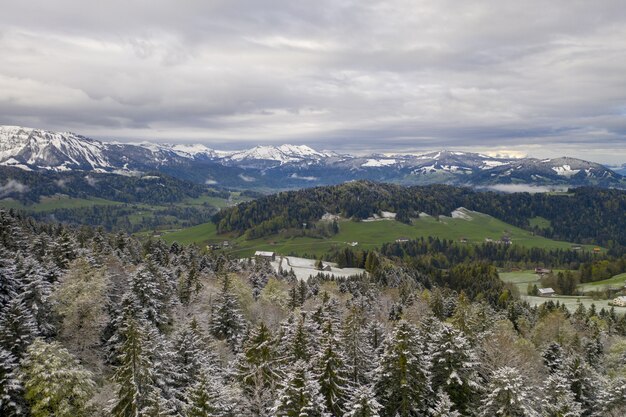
x=35, y=149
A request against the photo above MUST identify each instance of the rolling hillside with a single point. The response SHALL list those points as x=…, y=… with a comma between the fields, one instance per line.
x=472, y=226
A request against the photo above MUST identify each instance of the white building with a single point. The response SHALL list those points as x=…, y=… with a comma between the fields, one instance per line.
x=546, y=292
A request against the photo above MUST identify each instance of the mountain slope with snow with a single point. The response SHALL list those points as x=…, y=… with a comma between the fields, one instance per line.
x=289, y=166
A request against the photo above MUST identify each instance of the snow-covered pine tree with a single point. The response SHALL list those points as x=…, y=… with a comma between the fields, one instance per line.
x=165, y=373
x=17, y=328
x=359, y=354
x=35, y=293
x=135, y=373
x=226, y=322
x=12, y=403
x=583, y=383
x=9, y=286
x=55, y=384
x=443, y=406
x=553, y=357
x=507, y=395
x=454, y=367
x=402, y=385
x=363, y=403
x=332, y=371
x=300, y=395
x=558, y=398
x=147, y=298
x=207, y=398
x=258, y=370
x=64, y=250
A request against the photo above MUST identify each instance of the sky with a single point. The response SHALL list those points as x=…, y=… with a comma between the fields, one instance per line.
x=540, y=78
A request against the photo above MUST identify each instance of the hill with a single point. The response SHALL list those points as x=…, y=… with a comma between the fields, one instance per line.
x=467, y=226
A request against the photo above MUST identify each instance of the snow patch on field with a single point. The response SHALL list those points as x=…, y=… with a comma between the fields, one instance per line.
x=304, y=268
x=461, y=213
x=384, y=215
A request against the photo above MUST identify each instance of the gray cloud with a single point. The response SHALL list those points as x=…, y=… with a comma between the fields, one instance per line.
x=544, y=77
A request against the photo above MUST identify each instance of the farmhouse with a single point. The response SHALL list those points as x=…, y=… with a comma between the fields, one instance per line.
x=270, y=256
x=542, y=271
x=402, y=240
x=546, y=292
x=619, y=301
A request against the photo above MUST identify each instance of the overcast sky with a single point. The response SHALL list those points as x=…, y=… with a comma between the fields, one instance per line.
x=543, y=78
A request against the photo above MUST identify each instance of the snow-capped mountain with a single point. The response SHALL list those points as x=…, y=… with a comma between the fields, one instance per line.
x=281, y=154
x=288, y=166
x=32, y=149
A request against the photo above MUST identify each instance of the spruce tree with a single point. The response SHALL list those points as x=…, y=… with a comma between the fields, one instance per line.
x=358, y=353
x=12, y=401
x=54, y=382
x=402, y=385
x=332, y=371
x=443, y=406
x=258, y=370
x=17, y=328
x=300, y=395
x=507, y=395
x=454, y=367
x=208, y=398
x=35, y=293
x=559, y=400
x=362, y=403
x=227, y=323
x=135, y=373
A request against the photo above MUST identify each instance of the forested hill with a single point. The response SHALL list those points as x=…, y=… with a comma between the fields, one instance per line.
x=95, y=324
x=151, y=188
x=586, y=215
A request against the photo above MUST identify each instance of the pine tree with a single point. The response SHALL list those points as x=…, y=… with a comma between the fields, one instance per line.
x=300, y=395
x=227, y=323
x=363, y=403
x=11, y=389
x=35, y=293
x=553, y=357
x=583, y=383
x=64, y=250
x=54, y=383
x=17, y=328
x=9, y=286
x=403, y=386
x=454, y=364
x=359, y=354
x=443, y=406
x=559, y=400
x=208, y=398
x=147, y=297
x=257, y=369
x=135, y=373
x=331, y=368
x=507, y=395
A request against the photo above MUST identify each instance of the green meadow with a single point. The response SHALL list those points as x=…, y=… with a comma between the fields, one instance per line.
x=371, y=234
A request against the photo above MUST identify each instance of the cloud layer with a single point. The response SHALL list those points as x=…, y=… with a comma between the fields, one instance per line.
x=546, y=78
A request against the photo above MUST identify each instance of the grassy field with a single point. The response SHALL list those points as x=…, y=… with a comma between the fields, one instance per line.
x=613, y=282
x=521, y=279
x=372, y=234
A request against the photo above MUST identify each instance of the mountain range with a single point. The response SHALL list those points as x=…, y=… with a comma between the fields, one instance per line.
x=288, y=166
